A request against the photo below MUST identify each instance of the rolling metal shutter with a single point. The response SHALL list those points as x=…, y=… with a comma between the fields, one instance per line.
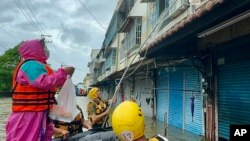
x=162, y=93
x=233, y=96
x=176, y=98
x=193, y=88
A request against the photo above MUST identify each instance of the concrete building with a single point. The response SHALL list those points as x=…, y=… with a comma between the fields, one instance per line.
x=193, y=62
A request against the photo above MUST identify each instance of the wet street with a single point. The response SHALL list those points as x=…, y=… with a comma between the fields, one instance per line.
x=152, y=127
x=5, y=108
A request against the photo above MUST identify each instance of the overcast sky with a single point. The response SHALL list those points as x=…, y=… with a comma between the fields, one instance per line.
x=73, y=29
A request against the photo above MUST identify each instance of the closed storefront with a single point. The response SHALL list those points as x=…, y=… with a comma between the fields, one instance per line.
x=162, y=94
x=176, y=94
x=143, y=93
x=179, y=97
x=194, y=120
x=233, y=96
x=126, y=89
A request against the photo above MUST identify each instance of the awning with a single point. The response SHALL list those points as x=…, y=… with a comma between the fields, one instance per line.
x=207, y=16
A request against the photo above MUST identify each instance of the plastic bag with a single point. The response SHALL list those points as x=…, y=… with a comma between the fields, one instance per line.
x=66, y=109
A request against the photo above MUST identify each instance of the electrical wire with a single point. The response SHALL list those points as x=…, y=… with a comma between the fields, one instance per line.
x=35, y=17
x=100, y=24
x=144, y=56
x=5, y=31
x=133, y=61
x=4, y=45
x=22, y=9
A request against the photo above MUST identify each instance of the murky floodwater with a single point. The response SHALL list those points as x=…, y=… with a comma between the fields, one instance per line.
x=152, y=127
x=5, y=108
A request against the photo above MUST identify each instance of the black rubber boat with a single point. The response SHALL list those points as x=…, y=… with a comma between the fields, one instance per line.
x=98, y=134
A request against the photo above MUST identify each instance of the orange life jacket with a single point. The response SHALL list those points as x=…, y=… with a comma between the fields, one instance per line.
x=29, y=98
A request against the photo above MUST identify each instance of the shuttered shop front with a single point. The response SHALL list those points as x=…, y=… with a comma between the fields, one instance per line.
x=145, y=95
x=175, y=89
x=194, y=120
x=162, y=94
x=176, y=98
x=233, y=96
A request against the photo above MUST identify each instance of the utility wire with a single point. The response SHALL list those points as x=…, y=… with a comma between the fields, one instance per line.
x=3, y=45
x=5, y=31
x=40, y=29
x=32, y=7
x=144, y=56
x=100, y=24
x=123, y=75
x=36, y=24
x=22, y=9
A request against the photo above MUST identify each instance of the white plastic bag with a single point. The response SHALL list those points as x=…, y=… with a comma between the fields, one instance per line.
x=66, y=109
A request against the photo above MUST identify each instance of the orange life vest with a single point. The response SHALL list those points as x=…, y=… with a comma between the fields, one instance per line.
x=29, y=98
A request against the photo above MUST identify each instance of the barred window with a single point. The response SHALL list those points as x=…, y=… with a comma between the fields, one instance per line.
x=138, y=31
x=133, y=36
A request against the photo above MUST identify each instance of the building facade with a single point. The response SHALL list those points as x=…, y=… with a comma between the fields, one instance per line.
x=186, y=62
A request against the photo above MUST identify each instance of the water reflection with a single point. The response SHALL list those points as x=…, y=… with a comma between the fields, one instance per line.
x=5, y=109
x=154, y=127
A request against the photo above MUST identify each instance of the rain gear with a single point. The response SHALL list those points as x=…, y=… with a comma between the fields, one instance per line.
x=33, y=125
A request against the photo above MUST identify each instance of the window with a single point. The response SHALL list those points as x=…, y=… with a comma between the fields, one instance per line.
x=133, y=36
x=132, y=39
x=111, y=59
x=162, y=6
x=138, y=32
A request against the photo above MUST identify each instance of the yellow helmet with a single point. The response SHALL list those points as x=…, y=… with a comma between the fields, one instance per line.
x=128, y=121
x=93, y=93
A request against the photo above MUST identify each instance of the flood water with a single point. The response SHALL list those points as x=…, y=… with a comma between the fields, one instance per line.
x=152, y=127
x=5, y=108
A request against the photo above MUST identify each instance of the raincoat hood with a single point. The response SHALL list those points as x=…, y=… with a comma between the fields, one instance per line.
x=33, y=49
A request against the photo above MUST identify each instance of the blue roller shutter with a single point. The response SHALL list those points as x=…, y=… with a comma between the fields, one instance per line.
x=193, y=88
x=233, y=96
x=176, y=98
x=161, y=94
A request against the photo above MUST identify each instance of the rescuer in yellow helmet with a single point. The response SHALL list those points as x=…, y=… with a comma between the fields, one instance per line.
x=97, y=108
x=128, y=123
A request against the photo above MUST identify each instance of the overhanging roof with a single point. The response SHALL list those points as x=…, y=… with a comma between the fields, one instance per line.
x=194, y=24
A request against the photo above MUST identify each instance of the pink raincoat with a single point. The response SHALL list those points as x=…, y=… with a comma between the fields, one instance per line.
x=33, y=126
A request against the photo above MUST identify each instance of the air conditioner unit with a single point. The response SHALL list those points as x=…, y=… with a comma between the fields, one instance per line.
x=177, y=7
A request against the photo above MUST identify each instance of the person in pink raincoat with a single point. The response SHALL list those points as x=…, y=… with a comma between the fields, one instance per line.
x=34, y=84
